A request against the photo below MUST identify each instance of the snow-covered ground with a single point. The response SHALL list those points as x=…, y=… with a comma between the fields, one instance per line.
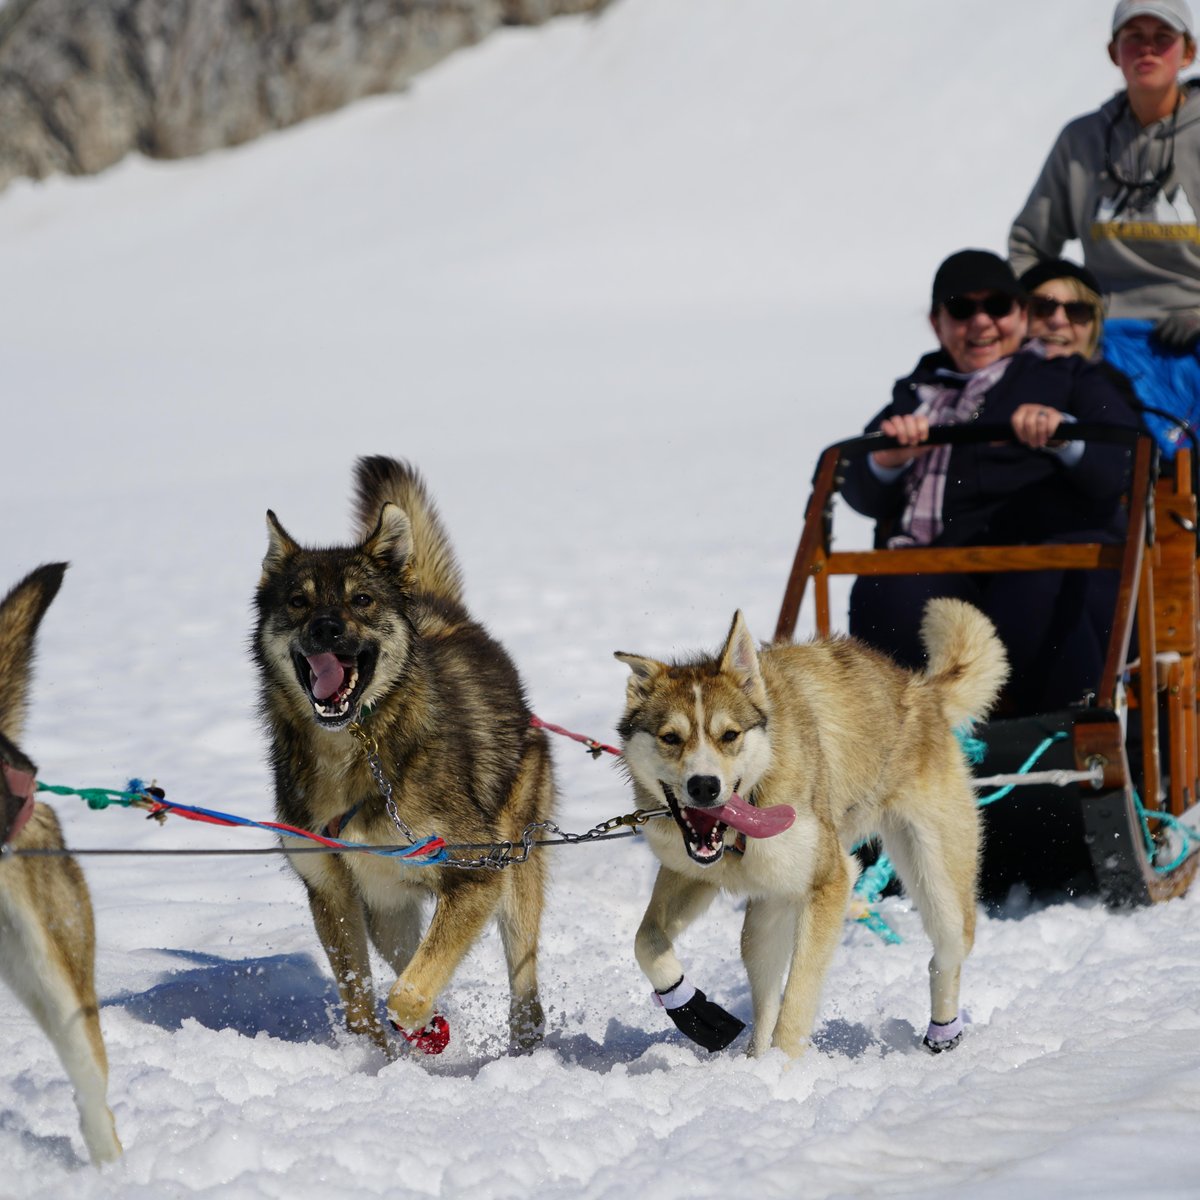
x=612, y=284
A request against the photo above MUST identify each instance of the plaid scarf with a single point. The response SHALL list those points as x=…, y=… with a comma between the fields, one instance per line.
x=953, y=400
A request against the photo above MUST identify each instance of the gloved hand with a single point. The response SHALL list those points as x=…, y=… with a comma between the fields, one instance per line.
x=1179, y=330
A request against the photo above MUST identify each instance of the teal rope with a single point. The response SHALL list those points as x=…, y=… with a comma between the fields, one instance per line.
x=869, y=888
x=1026, y=766
x=97, y=798
x=877, y=925
x=875, y=878
x=1146, y=815
x=974, y=748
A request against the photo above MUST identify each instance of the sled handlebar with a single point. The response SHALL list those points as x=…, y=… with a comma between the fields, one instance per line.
x=974, y=434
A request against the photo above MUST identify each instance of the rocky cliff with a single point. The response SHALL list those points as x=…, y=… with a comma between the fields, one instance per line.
x=84, y=82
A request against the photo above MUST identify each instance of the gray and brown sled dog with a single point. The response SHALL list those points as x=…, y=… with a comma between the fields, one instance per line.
x=47, y=932
x=853, y=745
x=374, y=637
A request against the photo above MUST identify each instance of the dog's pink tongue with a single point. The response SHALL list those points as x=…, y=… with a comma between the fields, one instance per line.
x=327, y=674
x=756, y=822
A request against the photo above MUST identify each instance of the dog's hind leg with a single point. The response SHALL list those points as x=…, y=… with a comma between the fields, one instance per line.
x=819, y=925
x=520, y=918
x=768, y=943
x=937, y=861
x=48, y=961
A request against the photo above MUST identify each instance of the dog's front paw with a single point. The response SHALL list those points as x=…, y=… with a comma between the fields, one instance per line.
x=432, y=1039
x=696, y=1016
x=407, y=1007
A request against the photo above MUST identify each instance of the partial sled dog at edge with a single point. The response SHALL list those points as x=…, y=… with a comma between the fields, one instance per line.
x=47, y=930
x=856, y=746
x=375, y=633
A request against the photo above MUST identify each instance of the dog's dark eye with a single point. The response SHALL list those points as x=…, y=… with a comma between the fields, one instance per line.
x=297, y=601
x=362, y=600
x=670, y=739
x=731, y=735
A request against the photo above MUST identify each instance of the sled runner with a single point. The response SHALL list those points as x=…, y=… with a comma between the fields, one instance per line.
x=1130, y=745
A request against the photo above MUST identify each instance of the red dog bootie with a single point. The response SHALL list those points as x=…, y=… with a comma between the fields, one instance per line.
x=433, y=1039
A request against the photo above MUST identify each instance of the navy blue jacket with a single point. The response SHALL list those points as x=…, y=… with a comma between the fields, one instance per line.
x=1010, y=495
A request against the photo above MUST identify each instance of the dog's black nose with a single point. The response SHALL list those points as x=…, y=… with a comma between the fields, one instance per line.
x=324, y=631
x=704, y=789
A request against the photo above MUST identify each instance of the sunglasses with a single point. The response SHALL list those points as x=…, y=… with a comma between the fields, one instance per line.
x=1079, y=312
x=962, y=308
x=1160, y=41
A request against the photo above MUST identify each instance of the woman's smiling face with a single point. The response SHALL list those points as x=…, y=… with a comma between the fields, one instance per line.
x=980, y=339
x=1050, y=323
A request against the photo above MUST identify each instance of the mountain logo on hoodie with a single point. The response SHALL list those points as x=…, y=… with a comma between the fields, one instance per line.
x=1167, y=217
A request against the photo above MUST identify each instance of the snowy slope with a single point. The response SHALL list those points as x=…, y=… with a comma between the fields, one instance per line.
x=612, y=284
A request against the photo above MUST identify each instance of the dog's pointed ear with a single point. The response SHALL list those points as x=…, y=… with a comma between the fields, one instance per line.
x=644, y=672
x=739, y=660
x=280, y=545
x=21, y=613
x=391, y=540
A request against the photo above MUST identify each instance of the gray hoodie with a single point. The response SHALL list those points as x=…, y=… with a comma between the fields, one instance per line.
x=1143, y=245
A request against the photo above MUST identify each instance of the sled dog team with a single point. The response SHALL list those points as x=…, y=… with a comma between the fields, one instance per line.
x=772, y=764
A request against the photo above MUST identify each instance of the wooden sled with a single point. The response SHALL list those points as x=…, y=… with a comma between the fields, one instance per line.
x=1135, y=735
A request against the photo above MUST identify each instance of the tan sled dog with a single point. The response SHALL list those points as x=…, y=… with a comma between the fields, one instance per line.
x=47, y=937
x=374, y=637
x=855, y=746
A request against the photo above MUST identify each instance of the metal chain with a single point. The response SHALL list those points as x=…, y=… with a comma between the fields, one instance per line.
x=499, y=854
x=371, y=748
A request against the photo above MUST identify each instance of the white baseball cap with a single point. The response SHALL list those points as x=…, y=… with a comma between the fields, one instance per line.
x=1171, y=12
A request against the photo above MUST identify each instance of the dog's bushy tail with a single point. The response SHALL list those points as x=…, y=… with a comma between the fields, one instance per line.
x=433, y=566
x=21, y=613
x=967, y=661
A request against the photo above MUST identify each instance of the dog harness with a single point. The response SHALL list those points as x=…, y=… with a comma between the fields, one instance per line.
x=335, y=827
x=20, y=785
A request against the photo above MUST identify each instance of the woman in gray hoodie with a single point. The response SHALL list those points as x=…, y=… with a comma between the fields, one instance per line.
x=1125, y=181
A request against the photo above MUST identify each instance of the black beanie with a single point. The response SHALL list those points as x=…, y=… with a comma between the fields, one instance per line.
x=1058, y=268
x=974, y=271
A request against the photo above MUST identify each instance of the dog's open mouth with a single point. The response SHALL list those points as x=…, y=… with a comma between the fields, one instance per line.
x=335, y=683
x=704, y=829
